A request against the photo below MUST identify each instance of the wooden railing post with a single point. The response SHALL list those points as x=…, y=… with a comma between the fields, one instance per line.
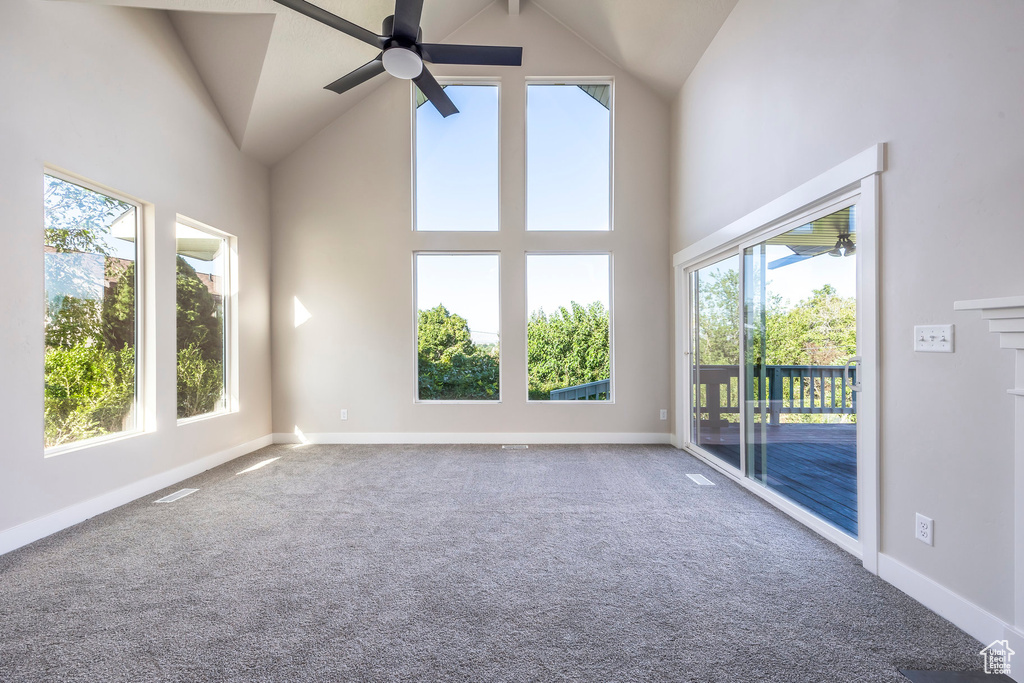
x=775, y=393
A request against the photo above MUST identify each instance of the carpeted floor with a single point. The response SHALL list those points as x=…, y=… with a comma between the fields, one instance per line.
x=457, y=563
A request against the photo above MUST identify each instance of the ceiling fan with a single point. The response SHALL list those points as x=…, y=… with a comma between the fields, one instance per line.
x=402, y=52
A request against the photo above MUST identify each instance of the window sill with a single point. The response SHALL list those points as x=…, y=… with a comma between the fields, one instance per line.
x=90, y=443
x=205, y=416
x=457, y=403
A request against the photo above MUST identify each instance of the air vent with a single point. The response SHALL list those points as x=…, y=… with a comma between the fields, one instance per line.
x=700, y=479
x=177, y=495
x=515, y=446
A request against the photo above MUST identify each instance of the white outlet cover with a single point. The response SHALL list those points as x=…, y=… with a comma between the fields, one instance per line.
x=344, y=413
x=664, y=414
x=924, y=529
x=933, y=338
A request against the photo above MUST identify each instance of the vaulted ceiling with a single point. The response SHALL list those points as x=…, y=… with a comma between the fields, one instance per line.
x=265, y=66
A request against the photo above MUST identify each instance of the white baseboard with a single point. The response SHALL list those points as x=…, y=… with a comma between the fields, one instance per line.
x=31, y=531
x=475, y=437
x=964, y=614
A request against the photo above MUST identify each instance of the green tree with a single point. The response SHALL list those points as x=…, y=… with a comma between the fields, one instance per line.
x=451, y=366
x=118, y=313
x=71, y=322
x=89, y=391
x=820, y=330
x=200, y=338
x=78, y=219
x=199, y=316
x=718, y=302
x=200, y=382
x=567, y=348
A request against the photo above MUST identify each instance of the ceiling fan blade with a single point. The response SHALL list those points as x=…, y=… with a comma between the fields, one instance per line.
x=360, y=75
x=407, y=19
x=489, y=55
x=335, y=22
x=435, y=93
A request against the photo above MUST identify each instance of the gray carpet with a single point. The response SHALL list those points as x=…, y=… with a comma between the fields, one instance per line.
x=457, y=563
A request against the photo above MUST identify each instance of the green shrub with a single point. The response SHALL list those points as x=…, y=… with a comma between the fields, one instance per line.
x=200, y=382
x=89, y=392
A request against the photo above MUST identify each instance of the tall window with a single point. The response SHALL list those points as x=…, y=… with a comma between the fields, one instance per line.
x=203, y=291
x=91, y=313
x=568, y=156
x=456, y=163
x=457, y=333
x=569, y=328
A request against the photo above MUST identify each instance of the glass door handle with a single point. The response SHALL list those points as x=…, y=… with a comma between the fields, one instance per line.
x=846, y=372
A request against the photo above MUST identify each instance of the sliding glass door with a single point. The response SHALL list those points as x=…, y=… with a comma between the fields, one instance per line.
x=799, y=348
x=715, y=359
x=773, y=361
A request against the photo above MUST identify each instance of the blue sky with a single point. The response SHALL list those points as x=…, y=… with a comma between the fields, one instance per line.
x=795, y=281
x=568, y=157
x=466, y=284
x=568, y=137
x=457, y=189
x=457, y=176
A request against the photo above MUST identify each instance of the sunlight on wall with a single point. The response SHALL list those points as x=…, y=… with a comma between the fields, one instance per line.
x=301, y=313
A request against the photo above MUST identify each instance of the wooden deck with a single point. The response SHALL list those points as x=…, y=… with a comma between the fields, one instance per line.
x=813, y=465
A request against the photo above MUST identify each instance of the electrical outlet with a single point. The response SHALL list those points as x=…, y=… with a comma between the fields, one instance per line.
x=664, y=414
x=933, y=338
x=344, y=413
x=924, y=529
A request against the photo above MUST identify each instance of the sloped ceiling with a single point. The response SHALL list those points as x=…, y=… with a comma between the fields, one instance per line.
x=265, y=66
x=658, y=41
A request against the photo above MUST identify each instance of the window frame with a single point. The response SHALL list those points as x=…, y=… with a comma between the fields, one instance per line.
x=611, y=319
x=569, y=81
x=414, y=166
x=416, y=331
x=142, y=404
x=229, y=324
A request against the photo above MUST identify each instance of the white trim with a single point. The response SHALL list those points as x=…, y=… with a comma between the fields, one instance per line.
x=814, y=191
x=869, y=415
x=998, y=302
x=967, y=616
x=476, y=437
x=31, y=531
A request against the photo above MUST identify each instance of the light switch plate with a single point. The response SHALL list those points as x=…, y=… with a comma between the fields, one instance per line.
x=933, y=338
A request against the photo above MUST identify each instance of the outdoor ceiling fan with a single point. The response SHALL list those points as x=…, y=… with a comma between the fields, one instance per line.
x=402, y=54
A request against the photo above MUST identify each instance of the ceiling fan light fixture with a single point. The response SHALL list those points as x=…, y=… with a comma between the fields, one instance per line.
x=401, y=62
x=844, y=246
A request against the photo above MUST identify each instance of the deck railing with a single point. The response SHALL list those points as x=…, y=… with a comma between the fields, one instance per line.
x=793, y=389
x=591, y=391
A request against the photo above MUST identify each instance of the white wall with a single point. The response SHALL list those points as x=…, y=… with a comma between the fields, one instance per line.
x=109, y=94
x=343, y=245
x=787, y=90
